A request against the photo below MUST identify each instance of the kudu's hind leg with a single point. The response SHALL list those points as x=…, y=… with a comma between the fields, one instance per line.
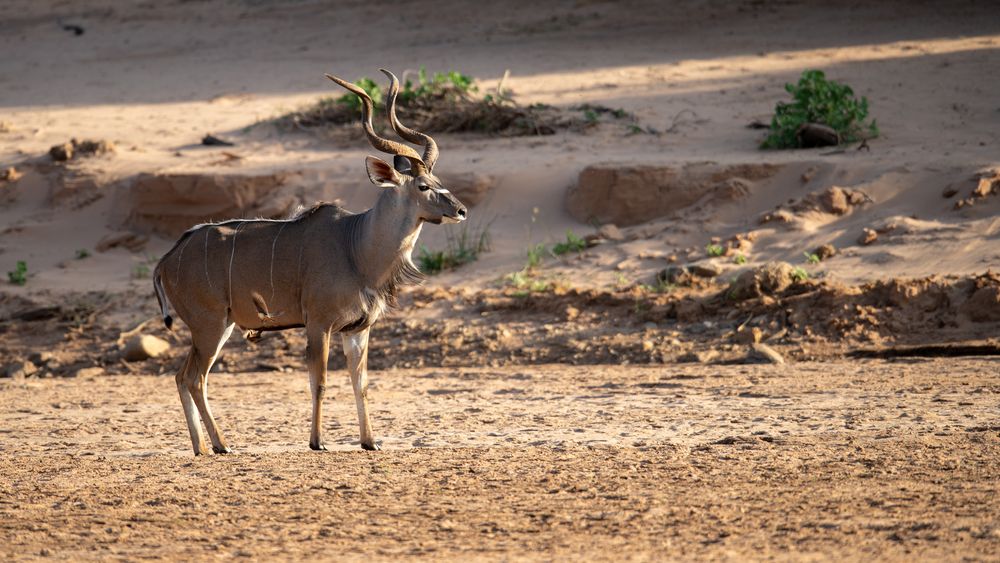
x=317, y=355
x=205, y=349
x=356, y=350
x=187, y=401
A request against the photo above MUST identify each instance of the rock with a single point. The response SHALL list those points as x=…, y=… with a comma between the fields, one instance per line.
x=762, y=353
x=41, y=358
x=705, y=269
x=867, y=237
x=986, y=186
x=69, y=151
x=211, y=140
x=10, y=174
x=572, y=313
x=769, y=278
x=470, y=188
x=20, y=369
x=834, y=200
x=825, y=251
x=93, y=148
x=88, y=372
x=674, y=275
x=777, y=216
x=61, y=153
x=984, y=305
x=812, y=135
x=144, y=346
x=647, y=346
x=610, y=232
x=701, y=356
x=752, y=335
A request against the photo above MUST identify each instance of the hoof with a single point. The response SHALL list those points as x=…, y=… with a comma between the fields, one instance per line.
x=225, y=450
x=371, y=447
x=317, y=447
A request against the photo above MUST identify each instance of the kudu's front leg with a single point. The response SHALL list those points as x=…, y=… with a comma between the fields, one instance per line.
x=317, y=354
x=356, y=350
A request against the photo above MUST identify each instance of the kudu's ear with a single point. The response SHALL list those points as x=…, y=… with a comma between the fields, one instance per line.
x=402, y=164
x=381, y=174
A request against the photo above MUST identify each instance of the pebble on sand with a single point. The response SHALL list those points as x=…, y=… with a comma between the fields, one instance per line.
x=144, y=346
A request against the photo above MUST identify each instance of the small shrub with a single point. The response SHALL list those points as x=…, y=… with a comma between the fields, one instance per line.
x=19, y=276
x=811, y=258
x=431, y=262
x=662, y=286
x=525, y=283
x=822, y=101
x=535, y=255
x=461, y=248
x=714, y=250
x=739, y=259
x=800, y=274
x=573, y=244
x=82, y=253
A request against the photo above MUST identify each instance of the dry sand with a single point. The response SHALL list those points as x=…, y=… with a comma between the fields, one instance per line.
x=839, y=461
x=154, y=78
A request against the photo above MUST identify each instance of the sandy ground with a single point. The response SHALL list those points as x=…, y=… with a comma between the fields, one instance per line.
x=834, y=461
x=155, y=77
x=840, y=460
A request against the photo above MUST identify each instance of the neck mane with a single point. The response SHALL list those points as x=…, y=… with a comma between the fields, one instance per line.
x=381, y=242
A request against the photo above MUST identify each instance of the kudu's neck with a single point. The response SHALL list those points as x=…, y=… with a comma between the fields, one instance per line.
x=389, y=232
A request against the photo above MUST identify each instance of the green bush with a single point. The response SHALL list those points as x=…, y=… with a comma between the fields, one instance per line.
x=822, y=101
x=438, y=86
x=19, y=276
x=573, y=244
x=353, y=102
x=536, y=253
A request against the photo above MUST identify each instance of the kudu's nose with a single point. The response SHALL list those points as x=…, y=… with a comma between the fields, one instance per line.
x=461, y=212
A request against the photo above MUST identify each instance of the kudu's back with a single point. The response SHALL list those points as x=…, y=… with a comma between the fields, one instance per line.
x=259, y=274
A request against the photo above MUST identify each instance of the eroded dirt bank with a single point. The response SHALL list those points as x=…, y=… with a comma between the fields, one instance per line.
x=831, y=461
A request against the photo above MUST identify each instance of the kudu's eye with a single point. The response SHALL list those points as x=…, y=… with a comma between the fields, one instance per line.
x=423, y=187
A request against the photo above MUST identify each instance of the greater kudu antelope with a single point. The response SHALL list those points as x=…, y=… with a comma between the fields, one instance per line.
x=324, y=269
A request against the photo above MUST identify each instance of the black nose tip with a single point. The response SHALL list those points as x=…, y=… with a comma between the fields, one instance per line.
x=461, y=212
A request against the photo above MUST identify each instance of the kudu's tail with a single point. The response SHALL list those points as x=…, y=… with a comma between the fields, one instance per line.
x=161, y=298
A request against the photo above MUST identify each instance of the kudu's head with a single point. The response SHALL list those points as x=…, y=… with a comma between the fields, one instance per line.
x=410, y=174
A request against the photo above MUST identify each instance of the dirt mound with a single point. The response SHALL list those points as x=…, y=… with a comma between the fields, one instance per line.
x=627, y=194
x=799, y=319
x=169, y=204
x=834, y=200
x=769, y=279
x=444, y=103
